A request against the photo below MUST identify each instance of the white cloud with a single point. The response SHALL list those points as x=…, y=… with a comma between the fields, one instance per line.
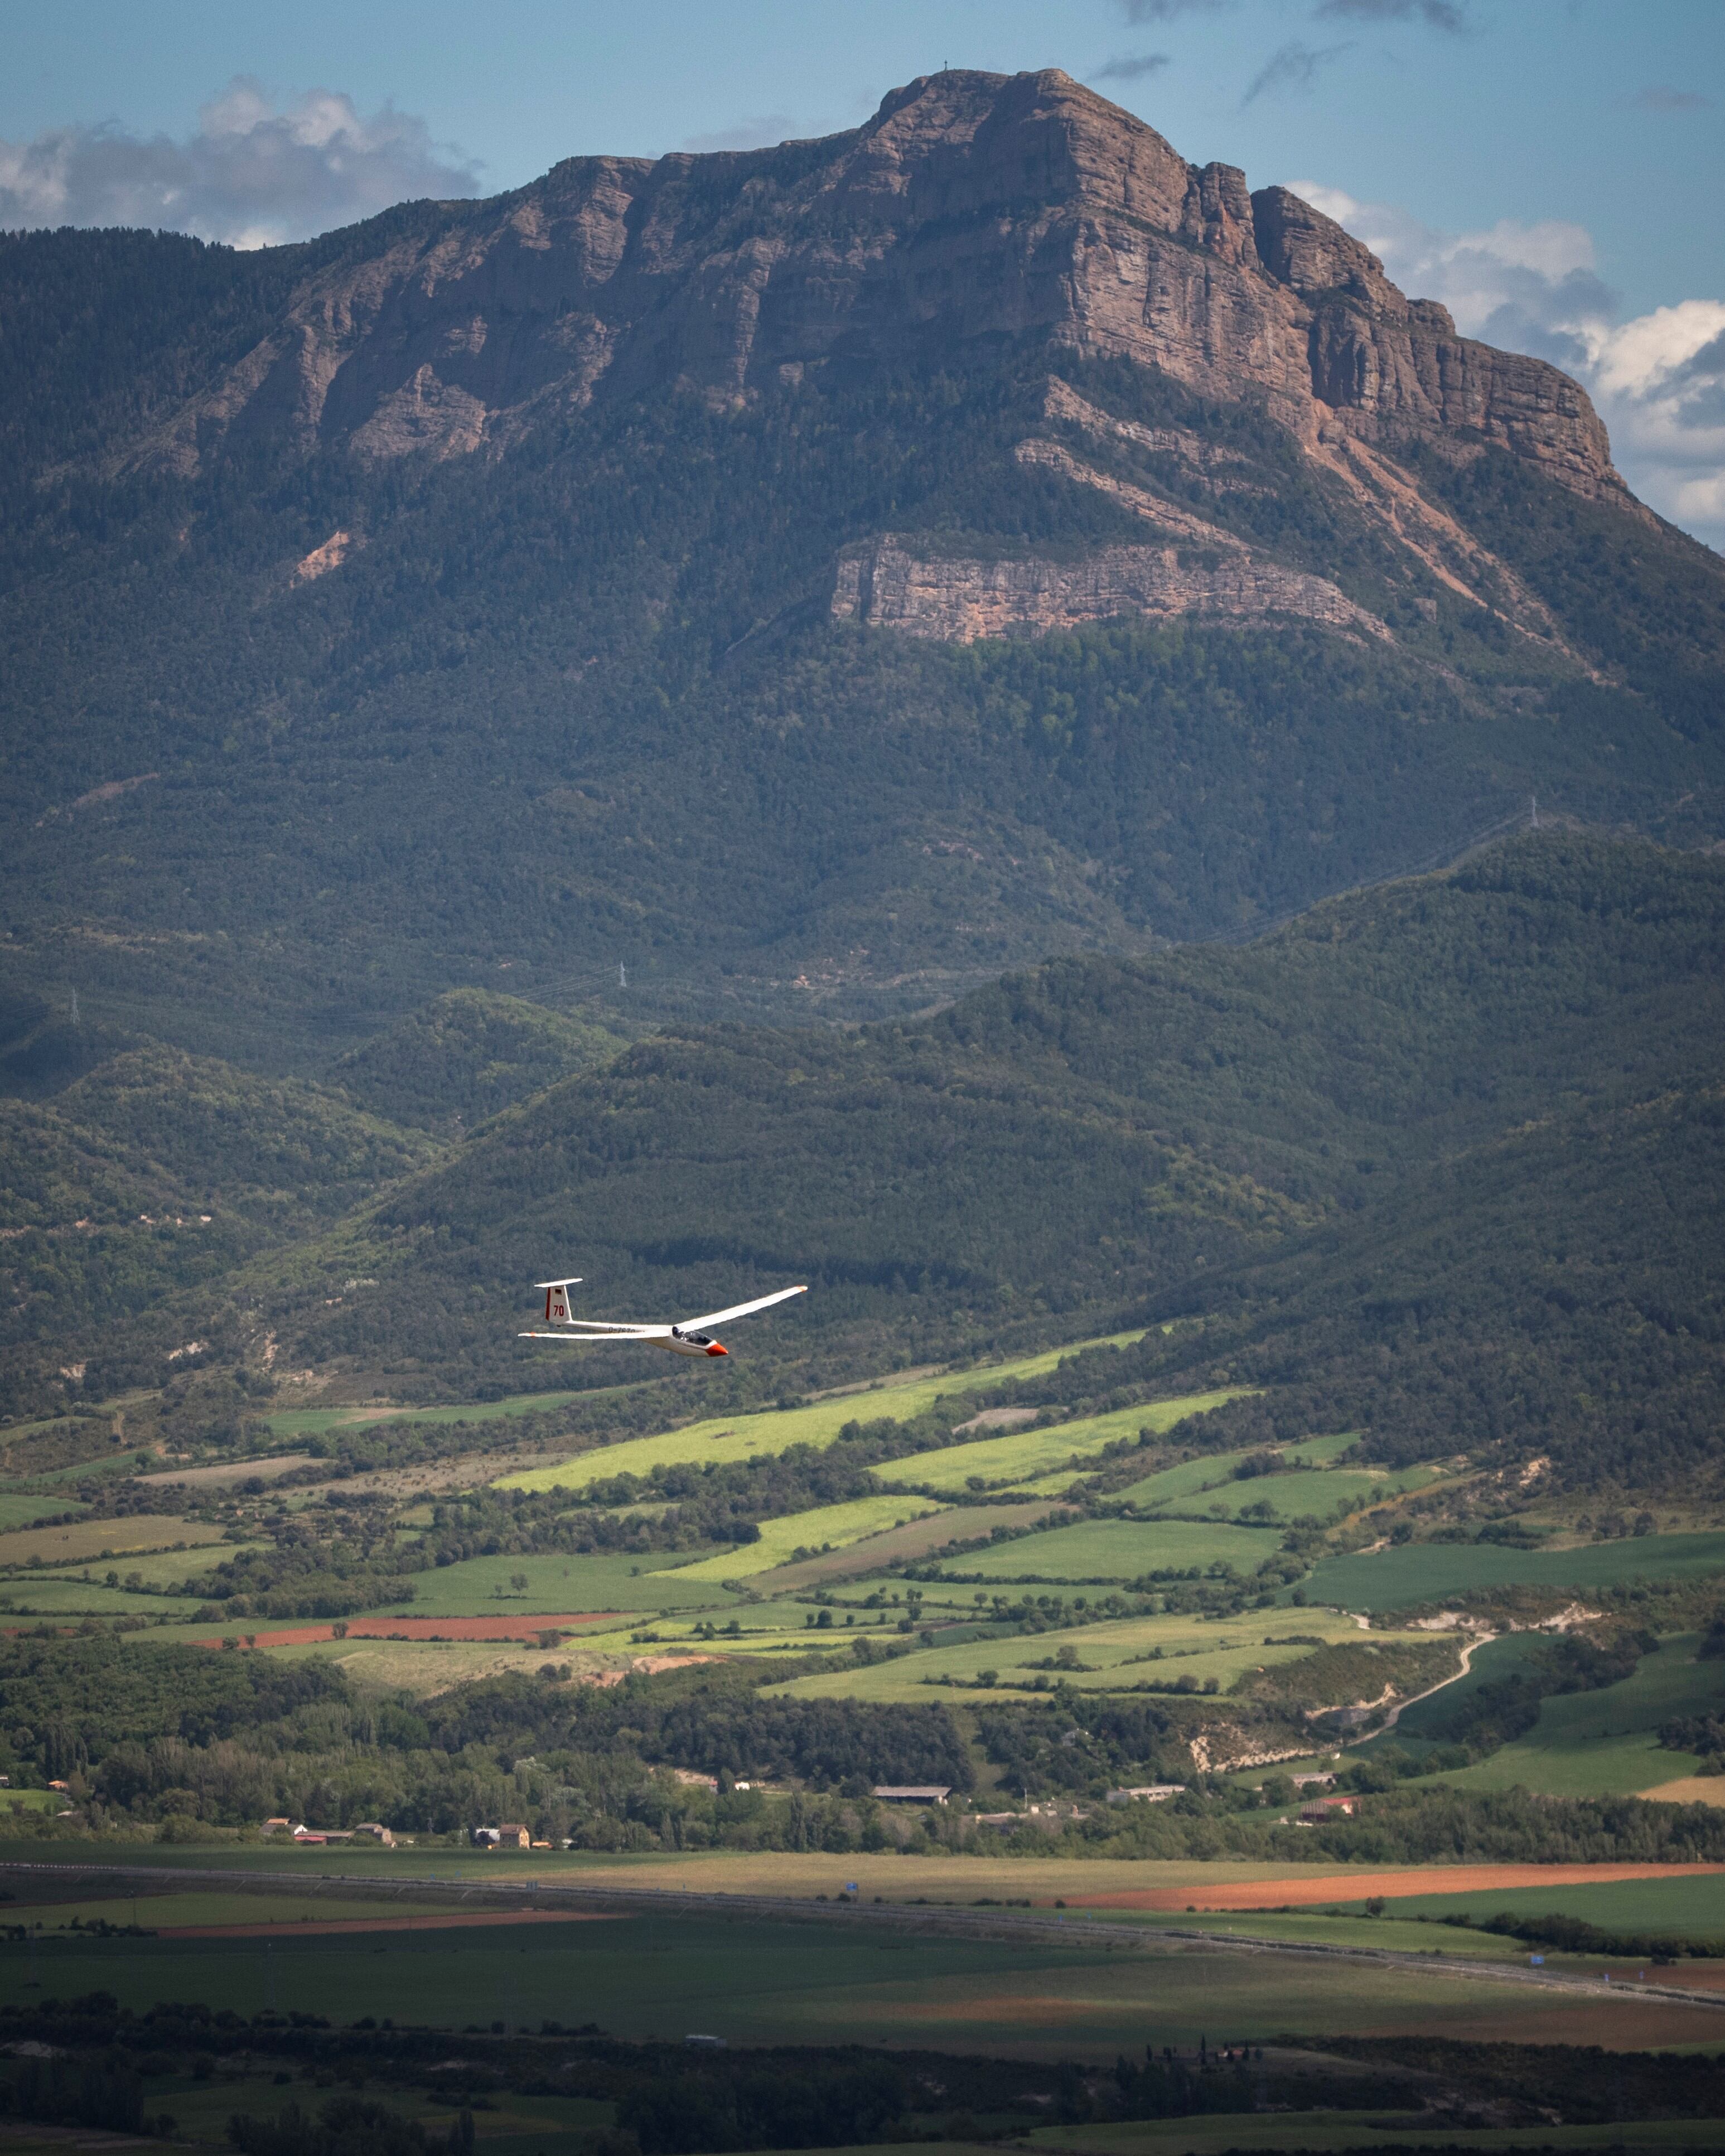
x=1131, y=67
x=252, y=174
x=1658, y=380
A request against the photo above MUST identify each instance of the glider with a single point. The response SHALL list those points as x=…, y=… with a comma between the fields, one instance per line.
x=690, y=1338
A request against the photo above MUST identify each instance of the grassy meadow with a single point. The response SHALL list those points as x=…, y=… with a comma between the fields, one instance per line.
x=997, y=1460
x=559, y=1585
x=1104, y=1551
x=808, y=1534
x=19, y=1509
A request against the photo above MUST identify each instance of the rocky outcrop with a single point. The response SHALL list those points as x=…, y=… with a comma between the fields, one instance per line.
x=972, y=209
x=1394, y=365
x=905, y=584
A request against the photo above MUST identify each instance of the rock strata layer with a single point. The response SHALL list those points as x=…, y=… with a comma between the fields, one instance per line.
x=895, y=584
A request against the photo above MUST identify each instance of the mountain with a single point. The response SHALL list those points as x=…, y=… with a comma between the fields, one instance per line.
x=1439, y=1162
x=799, y=581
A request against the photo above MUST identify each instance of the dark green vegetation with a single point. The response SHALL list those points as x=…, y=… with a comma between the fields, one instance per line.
x=466, y=1055
x=1437, y=1163
x=187, y=1744
x=1430, y=1572
x=319, y=2079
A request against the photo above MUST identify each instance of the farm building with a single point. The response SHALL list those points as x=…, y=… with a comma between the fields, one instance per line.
x=1147, y=1793
x=913, y=1793
x=1328, y=1808
x=502, y=1837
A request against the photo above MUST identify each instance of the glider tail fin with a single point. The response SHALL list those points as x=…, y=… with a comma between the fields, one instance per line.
x=556, y=1299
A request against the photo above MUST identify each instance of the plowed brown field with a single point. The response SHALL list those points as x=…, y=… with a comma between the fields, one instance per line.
x=1354, y=1886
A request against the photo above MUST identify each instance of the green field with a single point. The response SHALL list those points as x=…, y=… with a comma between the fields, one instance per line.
x=558, y=1585
x=917, y=1539
x=23, y=1511
x=155, y=1568
x=1019, y=1453
x=320, y=1422
x=728, y=1438
x=826, y=1527
x=41, y=1594
x=751, y=1980
x=1112, y=1550
x=1426, y=1572
x=1604, y=1743
x=1109, y=1657
x=1314, y=1490
x=1692, y=1906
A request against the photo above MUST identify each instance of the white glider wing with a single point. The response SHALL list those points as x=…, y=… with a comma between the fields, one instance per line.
x=688, y=1338
x=596, y=1329
x=739, y=1310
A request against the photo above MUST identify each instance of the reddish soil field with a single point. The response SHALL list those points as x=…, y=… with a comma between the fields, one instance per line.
x=453, y=1922
x=1354, y=1886
x=415, y=1627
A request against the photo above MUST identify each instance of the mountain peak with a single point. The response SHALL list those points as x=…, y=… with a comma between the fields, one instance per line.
x=973, y=211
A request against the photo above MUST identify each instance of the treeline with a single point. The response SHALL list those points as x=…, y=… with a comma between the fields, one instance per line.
x=728, y=2106
x=1574, y=1935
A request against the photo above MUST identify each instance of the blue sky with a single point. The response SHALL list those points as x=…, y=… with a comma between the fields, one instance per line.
x=1554, y=169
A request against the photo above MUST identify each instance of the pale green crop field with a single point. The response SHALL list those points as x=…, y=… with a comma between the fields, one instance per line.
x=1214, y=1471
x=725, y=1439
x=828, y=1526
x=309, y=1422
x=1193, y=1477
x=558, y=1584
x=1322, y=1494
x=41, y=1594
x=1119, y=1550
x=915, y=1540
x=159, y=1568
x=1025, y=1452
x=1112, y=1656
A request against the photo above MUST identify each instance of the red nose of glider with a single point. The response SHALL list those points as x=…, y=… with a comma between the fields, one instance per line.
x=714, y=1348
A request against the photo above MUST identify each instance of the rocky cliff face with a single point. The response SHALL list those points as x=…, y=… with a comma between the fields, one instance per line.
x=894, y=583
x=970, y=210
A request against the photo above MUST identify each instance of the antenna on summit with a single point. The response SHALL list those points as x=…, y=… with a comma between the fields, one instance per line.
x=621, y=974
x=1533, y=812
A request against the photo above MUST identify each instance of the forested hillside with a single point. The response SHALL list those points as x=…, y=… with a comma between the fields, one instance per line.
x=1439, y=1161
